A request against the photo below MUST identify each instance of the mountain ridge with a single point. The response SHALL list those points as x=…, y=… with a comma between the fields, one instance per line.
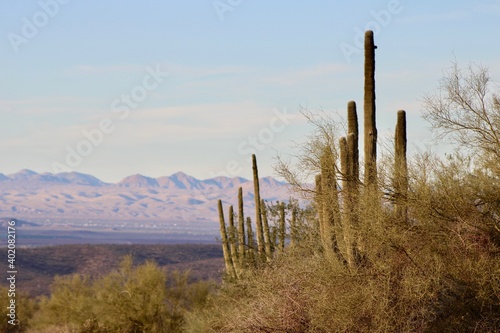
x=138, y=179
x=175, y=198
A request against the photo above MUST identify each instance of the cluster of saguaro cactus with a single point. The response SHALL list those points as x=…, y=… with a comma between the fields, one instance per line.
x=340, y=194
x=242, y=248
x=339, y=209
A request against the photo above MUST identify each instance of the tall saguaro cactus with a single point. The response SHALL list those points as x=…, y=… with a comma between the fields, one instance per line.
x=225, y=243
x=346, y=164
x=265, y=225
x=343, y=164
x=369, y=116
x=241, y=228
x=282, y=230
x=352, y=128
x=233, y=240
x=353, y=176
x=318, y=199
x=258, y=216
x=252, y=250
x=329, y=202
x=352, y=163
x=400, y=168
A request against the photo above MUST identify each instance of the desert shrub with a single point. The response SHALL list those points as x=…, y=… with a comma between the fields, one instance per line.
x=25, y=307
x=131, y=299
x=70, y=302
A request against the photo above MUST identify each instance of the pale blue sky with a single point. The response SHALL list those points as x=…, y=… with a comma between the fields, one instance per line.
x=233, y=64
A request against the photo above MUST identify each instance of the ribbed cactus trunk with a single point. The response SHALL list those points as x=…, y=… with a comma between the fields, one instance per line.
x=353, y=178
x=345, y=173
x=294, y=237
x=318, y=200
x=346, y=225
x=369, y=116
x=258, y=216
x=252, y=253
x=353, y=167
x=401, y=169
x=267, y=234
x=282, y=230
x=352, y=163
x=330, y=203
x=233, y=241
x=352, y=128
x=225, y=243
x=241, y=229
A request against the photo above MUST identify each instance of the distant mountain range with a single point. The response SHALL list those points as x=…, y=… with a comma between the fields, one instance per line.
x=174, y=198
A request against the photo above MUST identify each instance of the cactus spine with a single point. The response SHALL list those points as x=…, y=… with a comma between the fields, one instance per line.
x=400, y=168
x=369, y=116
x=225, y=243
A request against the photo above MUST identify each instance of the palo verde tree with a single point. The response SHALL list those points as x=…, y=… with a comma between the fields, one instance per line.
x=465, y=111
x=130, y=299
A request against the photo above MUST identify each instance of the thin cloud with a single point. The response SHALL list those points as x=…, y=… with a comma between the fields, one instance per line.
x=104, y=70
x=41, y=106
x=205, y=120
x=203, y=72
x=296, y=76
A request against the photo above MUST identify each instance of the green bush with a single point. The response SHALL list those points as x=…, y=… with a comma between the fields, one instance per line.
x=24, y=310
x=129, y=300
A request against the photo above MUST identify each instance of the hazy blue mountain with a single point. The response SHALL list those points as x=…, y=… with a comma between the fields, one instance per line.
x=178, y=197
